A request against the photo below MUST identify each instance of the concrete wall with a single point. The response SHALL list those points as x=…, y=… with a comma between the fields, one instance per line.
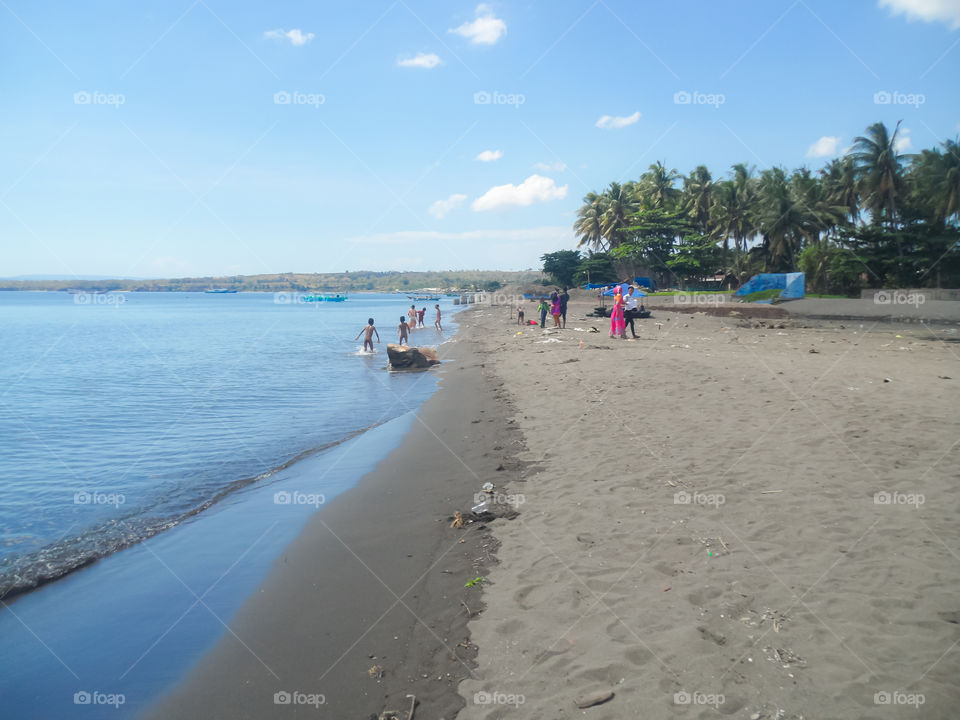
x=928, y=293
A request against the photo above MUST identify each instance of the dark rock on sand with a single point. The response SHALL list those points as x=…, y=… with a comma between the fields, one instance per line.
x=403, y=357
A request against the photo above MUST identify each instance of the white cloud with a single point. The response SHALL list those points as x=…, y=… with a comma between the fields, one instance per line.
x=824, y=147
x=945, y=11
x=555, y=234
x=485, y=30
x=441, y=207
x=421, y=60
x=535, y=189
x=903, y=143
x=550, y=167
x=295, y=36
x=610, y=122
x=490, y=155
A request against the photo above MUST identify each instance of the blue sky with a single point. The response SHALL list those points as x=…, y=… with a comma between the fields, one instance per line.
x=207, y=137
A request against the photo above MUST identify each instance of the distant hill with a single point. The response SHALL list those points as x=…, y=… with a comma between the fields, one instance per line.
x=297, y=282
x=65, y=278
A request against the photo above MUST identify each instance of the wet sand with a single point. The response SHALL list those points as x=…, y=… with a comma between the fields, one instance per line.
x=365, y=607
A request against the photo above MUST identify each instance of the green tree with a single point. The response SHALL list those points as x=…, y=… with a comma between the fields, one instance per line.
x=562, y=266
x=596, y=268
x=880, y=171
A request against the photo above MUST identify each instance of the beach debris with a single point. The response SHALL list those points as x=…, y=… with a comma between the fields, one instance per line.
x=413, y=704
x=944, y=377
x=813, y=351
x=594, y=698
x=593, y=329
x=481, y=509
x=376, y=672
x=457, y=520
x=487, y=487
x=469, y=612
x=887, y=380
x=389, y=715
x=473, y=583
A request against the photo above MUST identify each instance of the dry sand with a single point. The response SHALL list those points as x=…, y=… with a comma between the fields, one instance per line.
x=702, y=533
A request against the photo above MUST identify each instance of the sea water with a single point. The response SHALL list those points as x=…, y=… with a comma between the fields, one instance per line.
x=199, y=432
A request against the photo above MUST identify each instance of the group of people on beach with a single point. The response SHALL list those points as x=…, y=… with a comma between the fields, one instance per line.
x=403, y=329
x=626, y=308
x=557, y=307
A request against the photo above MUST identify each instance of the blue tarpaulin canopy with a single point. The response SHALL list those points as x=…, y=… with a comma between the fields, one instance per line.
x=792, y=284
x=623, y=289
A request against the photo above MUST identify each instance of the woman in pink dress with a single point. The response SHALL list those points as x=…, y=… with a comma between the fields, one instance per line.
x=617, y=326
x=555, y=308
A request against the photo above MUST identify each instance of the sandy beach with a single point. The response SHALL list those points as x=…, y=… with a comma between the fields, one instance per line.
x=730, y=515
x=750, y=516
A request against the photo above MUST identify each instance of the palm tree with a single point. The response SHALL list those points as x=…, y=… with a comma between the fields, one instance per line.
x=735, y=208
x=656, y=186
x=842, y=188
x=589, y=226
x=936, y=181
x=620, y=202
x=780, y=218
x=880, y=170
x=698, y=198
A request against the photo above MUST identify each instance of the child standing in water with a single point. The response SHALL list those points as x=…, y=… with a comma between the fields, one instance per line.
x=368, y=332
x=436, y=322
x=402, y=330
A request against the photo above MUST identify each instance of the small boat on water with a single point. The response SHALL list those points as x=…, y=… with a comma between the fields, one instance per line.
x=324, y=298
x=219, y=291
x=424, y=298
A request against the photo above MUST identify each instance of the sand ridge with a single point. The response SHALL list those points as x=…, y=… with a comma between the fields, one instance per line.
x=704, y=533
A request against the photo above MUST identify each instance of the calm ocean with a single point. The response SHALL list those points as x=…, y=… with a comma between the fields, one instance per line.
x=224, y=419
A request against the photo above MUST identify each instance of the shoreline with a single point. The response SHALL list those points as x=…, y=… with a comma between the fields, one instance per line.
x=376, y=577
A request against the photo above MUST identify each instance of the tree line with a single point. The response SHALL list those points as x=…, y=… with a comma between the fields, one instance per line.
x=874, y=217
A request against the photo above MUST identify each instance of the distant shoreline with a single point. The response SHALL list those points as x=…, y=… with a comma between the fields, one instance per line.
x=346, y=282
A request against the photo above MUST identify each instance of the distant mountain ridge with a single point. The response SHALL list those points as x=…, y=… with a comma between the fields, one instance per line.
x=295, y=282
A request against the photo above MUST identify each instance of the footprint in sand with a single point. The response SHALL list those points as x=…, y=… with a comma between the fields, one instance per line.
x=702, y=597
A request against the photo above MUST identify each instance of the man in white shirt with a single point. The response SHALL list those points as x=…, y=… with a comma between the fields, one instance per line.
x=630, y=310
